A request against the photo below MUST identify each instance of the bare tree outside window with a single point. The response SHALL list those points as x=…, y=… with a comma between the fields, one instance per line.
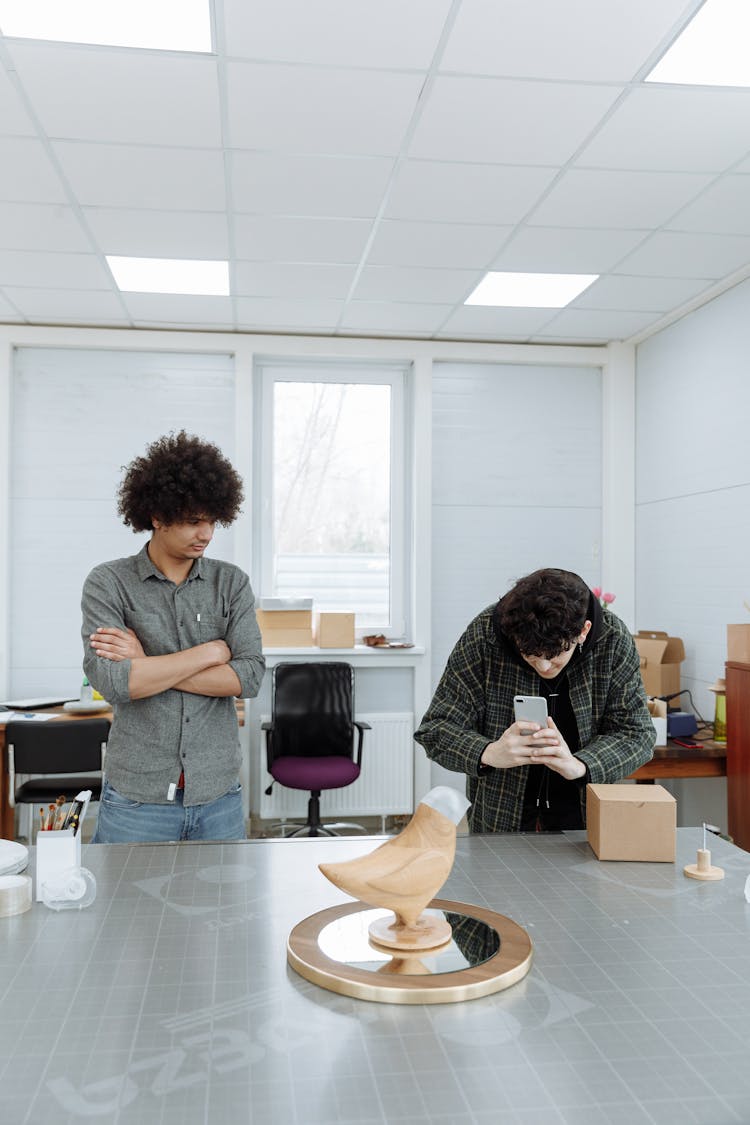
x=331, y=496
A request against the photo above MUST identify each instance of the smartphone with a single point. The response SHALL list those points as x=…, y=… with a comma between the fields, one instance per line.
x=530, y=709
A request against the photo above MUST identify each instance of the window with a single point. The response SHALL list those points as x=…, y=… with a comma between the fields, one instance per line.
x=330, y=495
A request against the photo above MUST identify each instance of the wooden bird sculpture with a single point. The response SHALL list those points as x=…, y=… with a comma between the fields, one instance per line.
x=406, y=872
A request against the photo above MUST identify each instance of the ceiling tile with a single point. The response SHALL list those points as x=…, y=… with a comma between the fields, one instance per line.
x=387, y=316
x=126, y=96
x=566, y=249
x=332, y=31
x=494, y=322
x=644, y=294
x=159, y=234
x=259, y=313
x=678, y=254
x=724, y=208
x=446, y=245
x=186, y=311
x=288, y=239
x=71, y=306
x=663, y=128
x=459, y=193
x=501, y=121
x=28, y=174
x=631, y=200
x=423, y=286
x=303, y=109
x=341, y=186
x=141, y=176
x=48, y=270
x=597, y=324
x=271, y=279
x=41, y=226
x=587, y=41
x=14, y=120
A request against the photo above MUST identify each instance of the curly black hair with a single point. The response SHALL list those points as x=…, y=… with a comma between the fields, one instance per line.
x=543, y=614
x=180, y=476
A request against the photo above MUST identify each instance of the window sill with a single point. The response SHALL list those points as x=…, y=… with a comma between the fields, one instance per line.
x=363, y=656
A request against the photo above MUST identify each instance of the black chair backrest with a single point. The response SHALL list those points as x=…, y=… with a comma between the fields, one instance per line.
x=313, y=709
x=57, y=747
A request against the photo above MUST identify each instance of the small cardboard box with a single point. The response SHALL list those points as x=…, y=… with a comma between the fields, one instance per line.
x=285, y=628
x=334, y=630
x=661, y=657
x=631, y=822
x=738, y=643
x=658, y=711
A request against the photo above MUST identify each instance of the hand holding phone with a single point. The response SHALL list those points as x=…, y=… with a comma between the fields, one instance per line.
x=530, y=709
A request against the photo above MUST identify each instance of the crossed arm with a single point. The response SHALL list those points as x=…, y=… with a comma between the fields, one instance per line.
x=201, y=670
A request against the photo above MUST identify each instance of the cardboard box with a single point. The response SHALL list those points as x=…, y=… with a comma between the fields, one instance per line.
x=285, y=628
x=334, y=630
x=658, y=711
x=738, y=643
x=661, y=657
x=631, y=822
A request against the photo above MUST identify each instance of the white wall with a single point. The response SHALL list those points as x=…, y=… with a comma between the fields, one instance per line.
x=517, y=484
x=693, y=499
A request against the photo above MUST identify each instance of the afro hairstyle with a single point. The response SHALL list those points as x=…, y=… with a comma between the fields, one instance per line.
x=543, y=614
x=179, y=477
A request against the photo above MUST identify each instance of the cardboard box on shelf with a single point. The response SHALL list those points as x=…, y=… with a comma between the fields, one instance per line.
x=631, y=822
x=738, y=643
x=285, y=628
x=658, y=711
x=333, y=630
x=661, y=656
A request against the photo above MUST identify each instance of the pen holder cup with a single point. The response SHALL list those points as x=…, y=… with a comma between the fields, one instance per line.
x=56, y=852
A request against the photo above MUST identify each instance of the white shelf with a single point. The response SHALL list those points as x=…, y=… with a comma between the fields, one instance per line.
x=361, y=656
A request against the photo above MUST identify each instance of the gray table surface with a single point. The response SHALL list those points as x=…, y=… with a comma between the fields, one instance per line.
x=169, y=999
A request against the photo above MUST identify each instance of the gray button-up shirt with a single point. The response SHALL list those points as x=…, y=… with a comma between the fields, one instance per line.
x=153, y=740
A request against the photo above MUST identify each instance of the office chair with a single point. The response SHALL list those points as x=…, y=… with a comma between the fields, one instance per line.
x=59, y=751
x=310, y=741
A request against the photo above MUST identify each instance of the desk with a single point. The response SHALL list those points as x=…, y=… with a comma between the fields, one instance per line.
x=673, y=762
x=7, y=814
x=169, y=999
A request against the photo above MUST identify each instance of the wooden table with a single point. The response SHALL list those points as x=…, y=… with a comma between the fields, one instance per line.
x=671, y=762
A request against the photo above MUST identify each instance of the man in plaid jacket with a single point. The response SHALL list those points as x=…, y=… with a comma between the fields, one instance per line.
x=548, y=636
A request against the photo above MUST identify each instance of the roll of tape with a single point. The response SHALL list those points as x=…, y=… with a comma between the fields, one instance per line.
x=15, y=894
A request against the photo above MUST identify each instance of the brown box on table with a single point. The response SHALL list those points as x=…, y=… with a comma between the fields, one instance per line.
x=285, y=628
x=631, y=822
x=334, y=630
x=661, y=656
x=738, y=643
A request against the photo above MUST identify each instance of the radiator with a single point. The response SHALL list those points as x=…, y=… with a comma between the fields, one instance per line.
x=385, y=786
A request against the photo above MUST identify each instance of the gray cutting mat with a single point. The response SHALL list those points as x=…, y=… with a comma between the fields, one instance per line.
x=169, y=999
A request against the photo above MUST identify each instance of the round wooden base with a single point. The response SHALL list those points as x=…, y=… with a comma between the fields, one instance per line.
x=428, y=933
x=397, y=983
x=693, y=872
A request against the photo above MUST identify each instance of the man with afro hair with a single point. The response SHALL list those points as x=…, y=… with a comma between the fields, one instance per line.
x=171, y=640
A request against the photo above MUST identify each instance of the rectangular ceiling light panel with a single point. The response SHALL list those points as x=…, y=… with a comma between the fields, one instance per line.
x=170, y=275
x=530, y=290
x=167, y=25
x=713, y=50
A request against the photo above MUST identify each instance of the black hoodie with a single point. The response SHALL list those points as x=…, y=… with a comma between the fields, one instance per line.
x=552, y=804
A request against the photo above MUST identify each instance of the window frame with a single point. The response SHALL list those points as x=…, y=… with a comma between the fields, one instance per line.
x=270, y=370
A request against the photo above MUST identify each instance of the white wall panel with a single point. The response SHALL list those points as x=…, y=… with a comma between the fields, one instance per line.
x=78, y=416
x=516, y=484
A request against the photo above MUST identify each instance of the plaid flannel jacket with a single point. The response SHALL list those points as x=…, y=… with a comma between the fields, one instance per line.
x=473, y=705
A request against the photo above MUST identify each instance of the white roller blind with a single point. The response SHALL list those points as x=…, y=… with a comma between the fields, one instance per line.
x=78, y=417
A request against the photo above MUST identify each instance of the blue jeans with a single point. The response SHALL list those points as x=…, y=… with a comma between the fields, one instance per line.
x=122, y=821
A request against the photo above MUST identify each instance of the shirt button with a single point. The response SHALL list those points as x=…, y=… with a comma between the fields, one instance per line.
x=187, y=720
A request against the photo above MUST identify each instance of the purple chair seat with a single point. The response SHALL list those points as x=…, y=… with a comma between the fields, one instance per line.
x=315, y=774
